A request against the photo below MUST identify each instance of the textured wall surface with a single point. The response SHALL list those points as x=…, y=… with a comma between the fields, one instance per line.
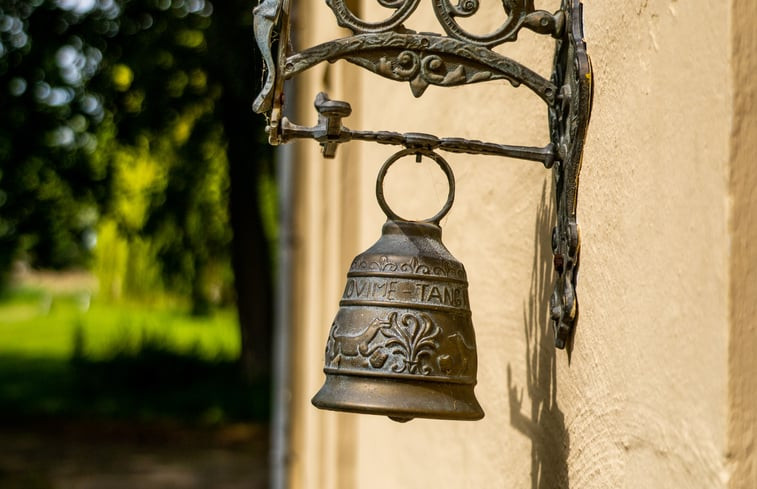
x=642, y=399
x=743, y=228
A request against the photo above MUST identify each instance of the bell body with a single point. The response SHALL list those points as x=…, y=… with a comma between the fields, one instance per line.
x=402, y=343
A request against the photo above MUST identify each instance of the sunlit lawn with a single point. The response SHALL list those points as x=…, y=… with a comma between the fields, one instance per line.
x=70, y=355
x=39, y=323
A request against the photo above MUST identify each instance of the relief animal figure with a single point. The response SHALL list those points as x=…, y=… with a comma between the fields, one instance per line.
x=345, y=345
x=456, y=365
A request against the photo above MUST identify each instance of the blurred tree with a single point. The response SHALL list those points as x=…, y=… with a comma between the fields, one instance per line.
x=236, y=66
x=132, y=116
x=49, y=190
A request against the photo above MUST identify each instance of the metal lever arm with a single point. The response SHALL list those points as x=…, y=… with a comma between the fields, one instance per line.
x=330, y=133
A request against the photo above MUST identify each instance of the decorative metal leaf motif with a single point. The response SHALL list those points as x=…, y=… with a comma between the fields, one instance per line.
x=413, y=266
x=422, y=60
x=411, y=338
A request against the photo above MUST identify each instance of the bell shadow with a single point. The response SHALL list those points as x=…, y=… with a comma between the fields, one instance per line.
x=545, y=423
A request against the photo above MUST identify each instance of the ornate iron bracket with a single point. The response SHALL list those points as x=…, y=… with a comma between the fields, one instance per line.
x=388, y=49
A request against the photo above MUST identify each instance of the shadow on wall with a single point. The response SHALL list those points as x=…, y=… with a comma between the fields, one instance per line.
x=545, y=425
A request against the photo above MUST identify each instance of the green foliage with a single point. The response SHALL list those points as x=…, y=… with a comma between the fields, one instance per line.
x=169, y=192
x=113, y=137
x=124, y=124
x=126, y=266
x=268, y=192
x=111, y=259
x=47, y=188
x=42, y=323
x=71, y=355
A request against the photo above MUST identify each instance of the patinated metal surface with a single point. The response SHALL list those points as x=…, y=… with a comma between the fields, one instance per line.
x=330, y=132
x=519, y=14
x=402, y=343
x=422, y=60
x=568, y=121
x=454, y=57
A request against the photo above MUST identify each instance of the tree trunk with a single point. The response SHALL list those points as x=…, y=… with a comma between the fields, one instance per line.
x=252, y=266
x=239, y=70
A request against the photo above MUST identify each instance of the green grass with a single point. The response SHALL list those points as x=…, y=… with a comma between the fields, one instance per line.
x=39, y=323
x=69, y=355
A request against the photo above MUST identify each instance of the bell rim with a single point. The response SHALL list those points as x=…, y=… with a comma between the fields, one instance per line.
x=398, y=398
x=438, y=379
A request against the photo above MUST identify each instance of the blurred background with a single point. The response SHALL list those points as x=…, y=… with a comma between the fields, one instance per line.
x=137, y=203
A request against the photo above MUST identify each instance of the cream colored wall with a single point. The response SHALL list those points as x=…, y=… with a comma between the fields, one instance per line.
x=743, y=228
x=643, y=399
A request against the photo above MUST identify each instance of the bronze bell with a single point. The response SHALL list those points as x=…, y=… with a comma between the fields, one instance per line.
x=402, y=343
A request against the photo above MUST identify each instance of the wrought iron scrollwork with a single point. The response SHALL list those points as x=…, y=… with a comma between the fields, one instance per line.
x=345, y=18
x=422, y=60
x=569, y=120
x=520, y=14
x=389, y=49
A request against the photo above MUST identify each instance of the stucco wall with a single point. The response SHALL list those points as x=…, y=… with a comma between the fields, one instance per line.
x=642, y=399
x=743, y=230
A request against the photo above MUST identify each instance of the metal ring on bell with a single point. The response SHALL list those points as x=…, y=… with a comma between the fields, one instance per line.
x=402, y=343
x=417, y=152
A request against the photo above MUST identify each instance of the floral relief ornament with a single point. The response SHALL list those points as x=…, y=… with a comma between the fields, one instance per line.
x=407, y=341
